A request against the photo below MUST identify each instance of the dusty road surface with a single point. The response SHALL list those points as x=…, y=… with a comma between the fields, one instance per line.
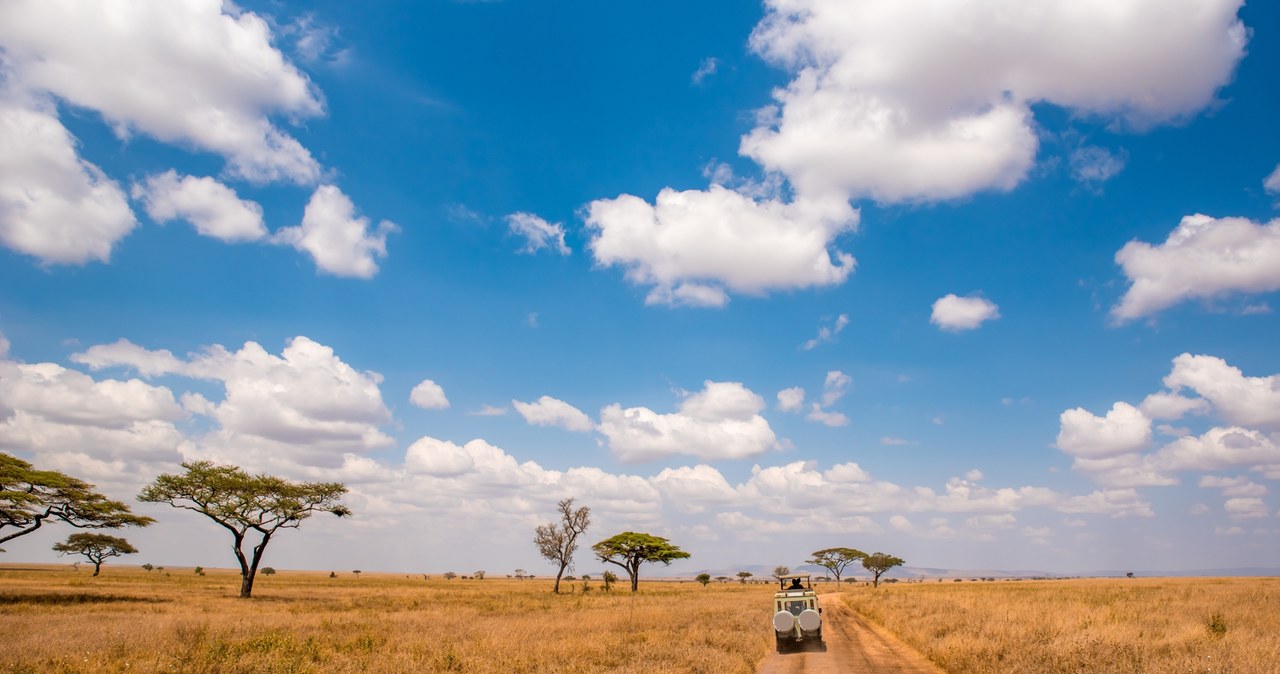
x=851, y=645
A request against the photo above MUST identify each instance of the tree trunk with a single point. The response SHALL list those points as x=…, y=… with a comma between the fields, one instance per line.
x=248, y=574
x=560, y=574
x=97, y=566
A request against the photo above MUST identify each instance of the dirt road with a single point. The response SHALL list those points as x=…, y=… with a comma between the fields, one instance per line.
x=850, y=644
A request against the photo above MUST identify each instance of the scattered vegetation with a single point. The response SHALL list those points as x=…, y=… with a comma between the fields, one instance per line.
x=96, y=548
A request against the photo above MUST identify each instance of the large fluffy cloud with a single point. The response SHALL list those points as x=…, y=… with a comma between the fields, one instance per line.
x=897, y=100
x=304, y=413
x=1124, y=429
x=306, y=402
x=104, y=429
x=722, y=421
x=181, y=71
x=1239, y=399
x=199, y=74
x=694, y=246
x=1202, y=258
x=1114, y=449
x=53, y=205
x=909, y=100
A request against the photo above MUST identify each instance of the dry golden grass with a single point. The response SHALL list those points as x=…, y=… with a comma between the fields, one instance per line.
x=1099, y=626
x=54, y=620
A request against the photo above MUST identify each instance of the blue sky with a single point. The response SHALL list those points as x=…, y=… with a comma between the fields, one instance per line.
x=984, y=287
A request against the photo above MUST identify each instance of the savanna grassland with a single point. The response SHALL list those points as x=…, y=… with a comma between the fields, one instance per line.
x=1099, y=626
x=54, y=620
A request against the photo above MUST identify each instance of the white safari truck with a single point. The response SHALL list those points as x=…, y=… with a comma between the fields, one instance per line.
x=797, y=619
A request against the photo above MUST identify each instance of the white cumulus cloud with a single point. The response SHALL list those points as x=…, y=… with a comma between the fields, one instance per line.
x=1239, y=399
x=1272, y=182
x=693, y=247
x=54, y=205
x=1123, y=430
x=305, y=404
x=791, y=399
x=187, y=72
x=213, y=208
x=548, y=411
x=429, y=396
x=341, y=242
x=722, y=421
x=1115, y=450
x=911, y=100
x=1204, y=257
x=954, y=313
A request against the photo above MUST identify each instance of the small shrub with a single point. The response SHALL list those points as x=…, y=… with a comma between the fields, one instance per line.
x=1216, y=624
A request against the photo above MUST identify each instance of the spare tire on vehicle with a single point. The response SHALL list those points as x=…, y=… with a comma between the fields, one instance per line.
x=784, y=622
x=810, y=620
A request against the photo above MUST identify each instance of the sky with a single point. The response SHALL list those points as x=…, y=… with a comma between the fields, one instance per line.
x=985, y=284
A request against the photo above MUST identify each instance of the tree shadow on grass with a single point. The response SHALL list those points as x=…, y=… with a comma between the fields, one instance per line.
x=66, y=599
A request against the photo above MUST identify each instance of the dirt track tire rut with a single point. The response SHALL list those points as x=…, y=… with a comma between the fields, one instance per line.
x=850, y=644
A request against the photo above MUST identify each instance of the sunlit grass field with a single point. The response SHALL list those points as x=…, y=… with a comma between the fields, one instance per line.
x=56, y=620
x=1099, y=626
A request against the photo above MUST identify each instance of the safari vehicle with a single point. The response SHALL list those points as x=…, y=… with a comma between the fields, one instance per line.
x=797, y=619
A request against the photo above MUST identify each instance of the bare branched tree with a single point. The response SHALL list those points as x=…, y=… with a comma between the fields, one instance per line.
x=557, y=541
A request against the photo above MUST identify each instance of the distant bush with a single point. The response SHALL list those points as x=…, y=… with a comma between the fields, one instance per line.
x=1216, y=624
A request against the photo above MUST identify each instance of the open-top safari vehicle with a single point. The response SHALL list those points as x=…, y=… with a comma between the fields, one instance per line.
x=797, y=619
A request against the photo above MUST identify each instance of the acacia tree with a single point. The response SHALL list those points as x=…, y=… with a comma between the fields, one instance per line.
x=877, y=563
x=30, y=497
x=836, y=559
x=743, y=576
x=558, y=541
x=242, y=503
x=780, y=571
x=703, y=578
x=97, y=548
x=629, y=550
